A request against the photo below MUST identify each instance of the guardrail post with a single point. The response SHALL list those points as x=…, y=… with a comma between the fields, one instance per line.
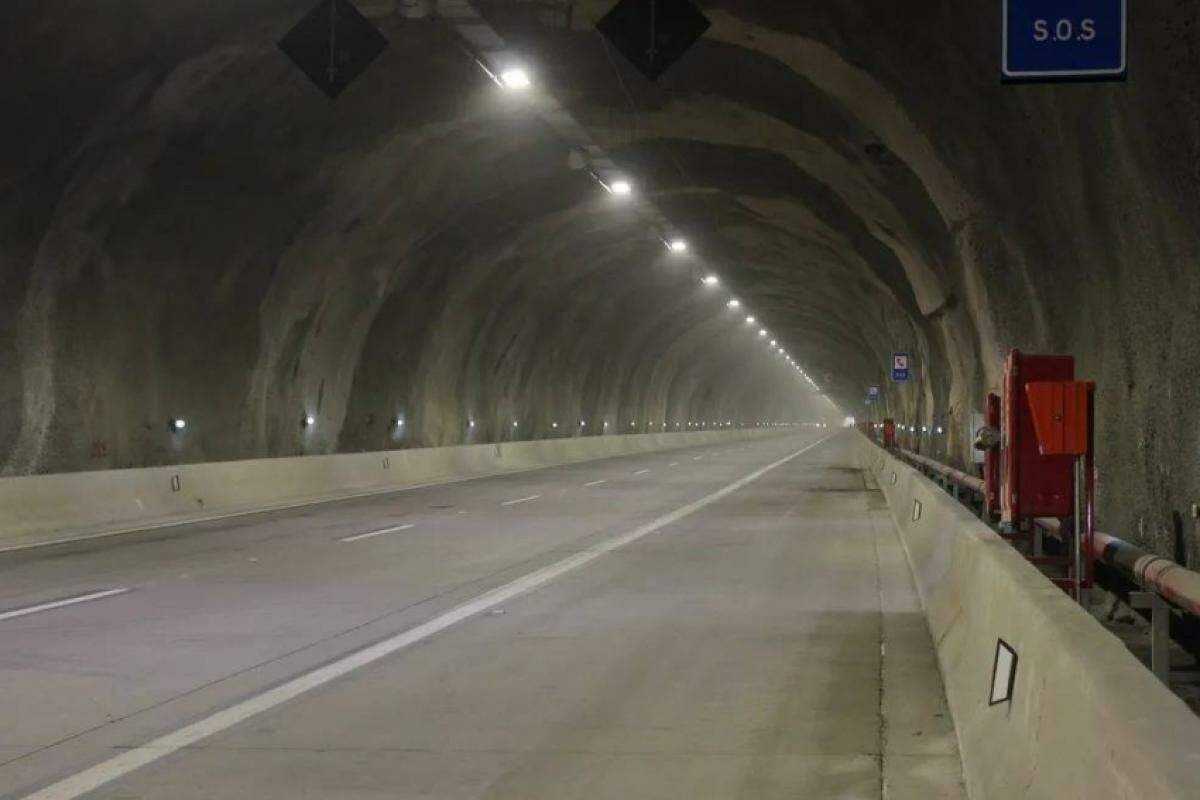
x=1160, y=633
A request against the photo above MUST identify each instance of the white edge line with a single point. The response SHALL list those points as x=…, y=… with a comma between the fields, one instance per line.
x=68, y=601
x=520, y=500
x=134, y=758
x=358, y=536
x=641, y=472
x=673, y=464
x=596, y=483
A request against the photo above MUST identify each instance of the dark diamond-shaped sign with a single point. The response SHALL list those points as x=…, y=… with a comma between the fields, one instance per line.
x=333, y=44
x=653, y=34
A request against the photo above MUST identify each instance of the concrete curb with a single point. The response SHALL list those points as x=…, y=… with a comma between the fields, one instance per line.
x=1086, y=718
x=41, y=510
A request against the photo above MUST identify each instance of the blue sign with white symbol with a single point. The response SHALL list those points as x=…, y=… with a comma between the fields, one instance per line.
x=872, y=395
x=1047, y=40
x=899, y=367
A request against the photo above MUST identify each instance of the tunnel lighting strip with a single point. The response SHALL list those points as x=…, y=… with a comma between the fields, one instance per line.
x=501, y=64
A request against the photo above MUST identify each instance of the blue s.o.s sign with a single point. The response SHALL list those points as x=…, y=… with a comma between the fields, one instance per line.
x=1046, y=40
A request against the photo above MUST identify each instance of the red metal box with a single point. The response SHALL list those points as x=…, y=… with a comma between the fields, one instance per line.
x=1031, y=484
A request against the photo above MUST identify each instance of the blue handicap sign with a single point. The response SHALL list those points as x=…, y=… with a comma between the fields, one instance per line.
x=1046, y=40
x=899, y=367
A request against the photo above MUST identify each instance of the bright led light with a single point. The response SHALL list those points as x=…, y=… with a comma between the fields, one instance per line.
x=762, y=333
x=515, y=78
x=514, y=424
x=582, y=424
x=606, y=423
x=677, y=246
x=711, y=280
x=939, y=430
x=750, y=320
x=309, y=422
x=178, y=424
x=734, y=304
x=472, y=423
x=621, y=188
x=772, y=343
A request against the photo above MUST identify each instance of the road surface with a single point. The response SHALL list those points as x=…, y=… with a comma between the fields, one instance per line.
x=726, y=621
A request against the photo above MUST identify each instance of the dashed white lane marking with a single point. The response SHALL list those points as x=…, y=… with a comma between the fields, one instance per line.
x=358, y=536
x=697, y=458
x=641, y=472
x=67, y=601
x=136, y=757
x=520, y=500
x=673, y=464
x=596, y=483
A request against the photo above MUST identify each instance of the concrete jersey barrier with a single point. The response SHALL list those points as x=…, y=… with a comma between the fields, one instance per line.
x=42, y=509
x=1086, y=719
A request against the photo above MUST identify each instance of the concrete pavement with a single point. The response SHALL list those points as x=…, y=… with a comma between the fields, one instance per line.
x=665, y=625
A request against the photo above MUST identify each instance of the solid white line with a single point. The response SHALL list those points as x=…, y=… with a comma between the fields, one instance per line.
x=641, y=472
x=356, y=537
x=134, y=758
x=70, y=601
x=520, y=500
x=596, y=483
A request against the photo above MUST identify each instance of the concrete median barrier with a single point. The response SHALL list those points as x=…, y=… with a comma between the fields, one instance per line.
x=43, y=509
x=1085, y=718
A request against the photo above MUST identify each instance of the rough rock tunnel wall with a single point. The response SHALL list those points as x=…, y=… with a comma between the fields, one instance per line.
x=188, y=227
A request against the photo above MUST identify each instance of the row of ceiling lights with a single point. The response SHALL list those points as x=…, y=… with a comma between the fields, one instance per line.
x=517, y=79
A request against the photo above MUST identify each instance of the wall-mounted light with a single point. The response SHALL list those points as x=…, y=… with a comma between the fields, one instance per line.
x=677, y=246
x=711, y=281
x=749, y=320
x=177, y=424
x=515, y=78
x=308, y=421
x=621, y=188
x=762, y=333
x=553, y=424
x=734, y=303
x=471, y=423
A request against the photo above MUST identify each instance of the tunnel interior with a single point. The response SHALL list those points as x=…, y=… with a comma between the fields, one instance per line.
x=191, y=229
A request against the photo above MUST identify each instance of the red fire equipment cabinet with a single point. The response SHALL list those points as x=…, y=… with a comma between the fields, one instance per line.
x=1045, y=465
x=889, y=433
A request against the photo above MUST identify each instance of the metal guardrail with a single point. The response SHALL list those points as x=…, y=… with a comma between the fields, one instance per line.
x=959, y=477
x=1157, y=576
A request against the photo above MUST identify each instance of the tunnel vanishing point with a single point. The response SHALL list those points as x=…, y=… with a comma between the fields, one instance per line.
x=258, y=256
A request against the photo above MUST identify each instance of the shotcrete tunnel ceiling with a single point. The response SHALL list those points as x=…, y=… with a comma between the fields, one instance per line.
x=193, y=229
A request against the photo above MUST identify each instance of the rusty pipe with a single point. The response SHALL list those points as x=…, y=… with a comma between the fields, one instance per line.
x=1173, y=582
